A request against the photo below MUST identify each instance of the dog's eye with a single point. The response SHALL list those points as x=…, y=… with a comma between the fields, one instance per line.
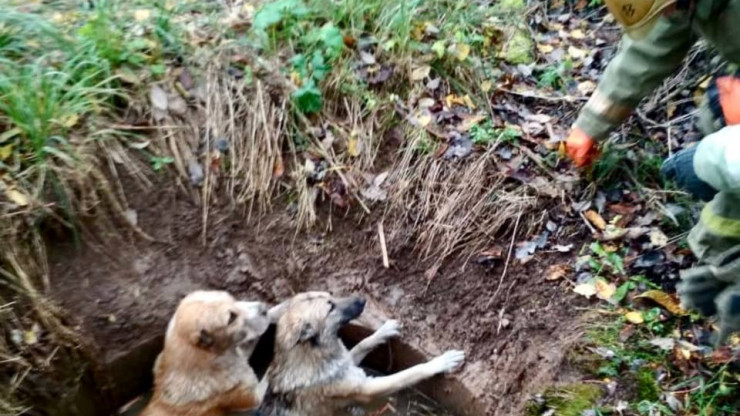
x=331, y=306
x=232, y=317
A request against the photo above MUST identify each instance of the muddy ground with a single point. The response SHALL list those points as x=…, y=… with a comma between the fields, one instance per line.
x=515, y=342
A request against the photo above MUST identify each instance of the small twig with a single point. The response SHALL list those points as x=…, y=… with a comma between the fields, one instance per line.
x=588, y=224
x=537, y=160
x=383, y=247
x=508, y=258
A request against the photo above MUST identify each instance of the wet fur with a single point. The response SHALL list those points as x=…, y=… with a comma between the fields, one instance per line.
x=203, y=369
x=313, y=373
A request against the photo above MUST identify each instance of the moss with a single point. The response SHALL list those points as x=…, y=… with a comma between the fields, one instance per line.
x=647, y=386
x=567, y=400
x=518, y=49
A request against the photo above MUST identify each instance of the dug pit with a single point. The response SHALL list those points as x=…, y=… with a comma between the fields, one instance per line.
x=515, y=327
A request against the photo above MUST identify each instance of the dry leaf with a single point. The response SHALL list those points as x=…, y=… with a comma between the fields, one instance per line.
x=586, y=87
x=424, y=120
x=6, y=151
x=545, y=48
x=421, y=72
x=577, y=34
x=486, y=86
x=594, y=218
x=353, y=148
x=278, y=170
x=367, y=58
x=576, y=53
x=158, y=98
x=557, y=271
x=462, y=51
x=658, y=238
x=142, y=14
x=605, y=290
x=17, y=197
x=634, y=317
x=10, y=134
x=426, y=102
x=665, y=300
x=585, y=289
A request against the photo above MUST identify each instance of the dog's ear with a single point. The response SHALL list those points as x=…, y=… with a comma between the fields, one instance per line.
x=308, y=334
x=277, y=311
x=204, y=339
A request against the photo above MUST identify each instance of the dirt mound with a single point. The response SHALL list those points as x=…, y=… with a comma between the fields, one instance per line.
x=123, y=292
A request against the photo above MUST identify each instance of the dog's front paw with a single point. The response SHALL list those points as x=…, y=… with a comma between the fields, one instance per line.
x=448, y=361
x=388, y=330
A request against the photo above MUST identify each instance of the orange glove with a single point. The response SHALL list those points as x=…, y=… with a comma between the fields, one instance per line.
x=581, y=148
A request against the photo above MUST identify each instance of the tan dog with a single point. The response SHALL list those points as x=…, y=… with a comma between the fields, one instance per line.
x=203, y=369
x=313, y=374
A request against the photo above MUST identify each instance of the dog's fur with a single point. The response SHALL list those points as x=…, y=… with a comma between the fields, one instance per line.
x=312, y=372
x=203, y=369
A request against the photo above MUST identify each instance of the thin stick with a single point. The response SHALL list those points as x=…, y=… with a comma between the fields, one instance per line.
x=508, y=258
x=383, y=247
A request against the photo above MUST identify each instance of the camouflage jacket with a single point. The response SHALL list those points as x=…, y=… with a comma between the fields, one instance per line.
x=642, y=65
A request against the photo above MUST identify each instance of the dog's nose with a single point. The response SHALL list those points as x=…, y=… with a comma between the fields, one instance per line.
x=262, y=309
x=360, y=303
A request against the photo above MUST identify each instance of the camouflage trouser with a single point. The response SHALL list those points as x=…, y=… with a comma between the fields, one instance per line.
x=713, y=287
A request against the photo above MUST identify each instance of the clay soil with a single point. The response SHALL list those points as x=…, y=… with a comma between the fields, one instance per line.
x=125, y=292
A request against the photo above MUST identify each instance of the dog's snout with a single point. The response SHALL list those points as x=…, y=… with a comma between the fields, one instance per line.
x=352, y=308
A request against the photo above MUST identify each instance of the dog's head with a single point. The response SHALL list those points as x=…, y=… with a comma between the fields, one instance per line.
x=313, y=318
x=215, y=321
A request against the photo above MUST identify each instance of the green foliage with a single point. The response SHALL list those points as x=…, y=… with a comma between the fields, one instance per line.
x=159, y=162
x=308, y=98
x=485, y=134
x=568, y=400
x=555, y=76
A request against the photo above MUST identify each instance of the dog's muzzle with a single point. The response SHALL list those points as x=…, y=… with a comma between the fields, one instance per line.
x=351, y=308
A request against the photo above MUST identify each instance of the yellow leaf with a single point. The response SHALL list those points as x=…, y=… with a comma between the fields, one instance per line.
x=545, y=48
x=295, y=78
x=486, y=86
x=576, y=53
x=70, y=121
x=468, y=123
x=468, y=102
x=586, y=87
x=604, y=289
x=462, y=51
x=561, y=150
x=353, y=147
x=594, y=218
x=17, y=197
x=142, y=14
x=658, y=238
x=665, y=300
x=557, y=271
x=585, y=289
x=577, y=34
x=421, y=72
x=634, y=317
x=424, y=120
x=439, y=48
x=6, y=151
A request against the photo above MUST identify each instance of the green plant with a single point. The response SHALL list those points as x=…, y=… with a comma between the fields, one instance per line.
x=555, y=76
x=485, y=134
x=158, y=162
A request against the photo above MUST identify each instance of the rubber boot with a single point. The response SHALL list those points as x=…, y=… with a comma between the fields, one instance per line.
x=728, y=307
x=680, y=169
x=698, y=289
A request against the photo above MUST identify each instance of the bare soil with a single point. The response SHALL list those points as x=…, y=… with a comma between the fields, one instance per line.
x=125, y=292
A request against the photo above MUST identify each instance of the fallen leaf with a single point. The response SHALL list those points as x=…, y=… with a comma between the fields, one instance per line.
x=563, y=248
x=31, y=336
x=724, y=355
x=665, y=344
x=426, y=102
x=594, y=218
x=128, y=76
x=17, y=197
x=557, y=271
x=576, y=53
x=142, y=14
x=577, y=34
x=462, y=51
x=353, y=148
x=131, y=216
x=439, y=48
x=367, y=58
x=278, y=169
x=424, y=120
x=486, y=86
x=634, y=317
x=545, y=48
x=6, y=151
x=70, y=121
x=658, y=238
x=665, y=300
x=421, y=72
x=158, y=98
x=585, y=289
x=605, y=290
x=586, y=87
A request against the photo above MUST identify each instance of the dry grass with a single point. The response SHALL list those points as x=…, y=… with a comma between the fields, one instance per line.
x=446, y=206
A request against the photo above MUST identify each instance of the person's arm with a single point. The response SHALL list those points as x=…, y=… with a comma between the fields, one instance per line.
x=637, y=69
x=717, y=159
